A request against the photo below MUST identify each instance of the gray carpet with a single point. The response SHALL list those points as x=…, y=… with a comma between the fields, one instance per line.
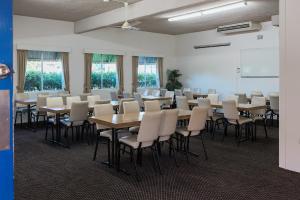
x=250, y=171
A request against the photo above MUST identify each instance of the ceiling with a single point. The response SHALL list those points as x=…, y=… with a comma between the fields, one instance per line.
x=256, y=10
x=74, y=10
x=67, y=10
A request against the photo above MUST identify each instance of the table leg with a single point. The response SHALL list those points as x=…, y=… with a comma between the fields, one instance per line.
x=113, y=147
x=57, y=118
x=29, y=116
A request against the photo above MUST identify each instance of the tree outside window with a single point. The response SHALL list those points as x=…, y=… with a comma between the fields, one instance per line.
x=148, y=72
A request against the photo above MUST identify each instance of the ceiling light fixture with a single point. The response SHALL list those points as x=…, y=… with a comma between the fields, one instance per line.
x=222, y=8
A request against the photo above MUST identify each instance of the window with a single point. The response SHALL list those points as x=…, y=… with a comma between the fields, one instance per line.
x=44, y=71
x=104, y=71
x=148, y=72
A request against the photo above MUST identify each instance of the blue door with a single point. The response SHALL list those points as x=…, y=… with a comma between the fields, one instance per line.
x=6, y=93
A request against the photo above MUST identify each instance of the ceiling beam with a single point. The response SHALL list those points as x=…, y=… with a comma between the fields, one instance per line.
x=135, y=11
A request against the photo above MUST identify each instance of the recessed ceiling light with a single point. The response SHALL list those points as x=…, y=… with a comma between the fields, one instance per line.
x=222, y=8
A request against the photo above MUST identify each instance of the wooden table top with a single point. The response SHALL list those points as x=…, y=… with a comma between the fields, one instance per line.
x=151, y=98
x=129, y=120
x=26, y=101
x=197, y=95
x=241, y=107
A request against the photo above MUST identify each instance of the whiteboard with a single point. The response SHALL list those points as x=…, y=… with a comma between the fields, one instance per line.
x=260, y=63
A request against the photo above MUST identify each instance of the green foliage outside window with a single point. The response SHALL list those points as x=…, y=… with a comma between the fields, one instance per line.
x=150, y=80
x=51, y=81
x=109, y=79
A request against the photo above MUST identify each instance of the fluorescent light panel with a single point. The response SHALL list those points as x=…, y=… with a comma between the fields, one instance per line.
x=222, y=8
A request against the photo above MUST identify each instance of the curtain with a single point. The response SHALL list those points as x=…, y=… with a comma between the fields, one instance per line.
x=120, y=73
x=21, y=62
x=135, y=64
x=160, y=72
x=65, y=61
x=88, y=58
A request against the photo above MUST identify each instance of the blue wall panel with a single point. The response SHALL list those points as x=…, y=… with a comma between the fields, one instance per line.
x=6, y=51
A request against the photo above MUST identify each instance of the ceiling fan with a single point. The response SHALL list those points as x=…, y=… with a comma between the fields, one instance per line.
x=126, y=25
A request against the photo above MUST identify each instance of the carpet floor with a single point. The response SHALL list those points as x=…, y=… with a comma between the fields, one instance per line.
x=249, y=171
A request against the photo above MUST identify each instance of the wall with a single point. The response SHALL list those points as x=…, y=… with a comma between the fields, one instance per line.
x=289, y=137
x=216, y=67
x=43, y=34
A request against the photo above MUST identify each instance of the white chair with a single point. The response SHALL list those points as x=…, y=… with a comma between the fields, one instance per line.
x=92, y=100
x=84, y=96
x=103, y=133
x=195, y=127
x=156, y=93
x=131, y=107
x=121, y=104
x=178, y=92
x=78, y=118
x=163, y=92
x=152, y=106
x=186, y=89
x=189, y=95
x=242, y=98
x=256, y=93
x=168, y=103
x=145, y=138
x=212, y=91
x=138, y=98
x=233, y=117
x=114, y=96
x=52, y=102
x=20, y=109
x=232, y=97
x=36, y=114
x=70, y=100
x=214, y=98
x=259, y=115
x=182, y=103
x=274, y=107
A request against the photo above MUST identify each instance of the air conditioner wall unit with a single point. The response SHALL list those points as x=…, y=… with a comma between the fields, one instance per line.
x=239, y=28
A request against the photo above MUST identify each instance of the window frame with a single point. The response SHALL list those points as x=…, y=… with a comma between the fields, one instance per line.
x=145, y=81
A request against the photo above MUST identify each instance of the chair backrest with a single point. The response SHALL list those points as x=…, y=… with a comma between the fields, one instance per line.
x=41, y=101
x=131, y=107
x=197, y=90
x=92, y=99
x=138, y=98
x=242, y=98
x=79, y=111
x=256, y=93
x=233, y=97
x=151, y=106
x=212, y=91
x=205, y=103
x=168, y=123
x=84, y=96
x=189, y=95
x=170, y=94
x=121, y=104
x=163, y=92
x=156, y=93
x=53, y=102
x=230, y=110
x=198, y=119
x=214, y=98
x=101, y=110
x=114, y=96
x=259, y=101
x=102, y=102
x=70, y=100
x=274, y=103
x=186, y=89
x=182, y=103
x=126, y=95
x=178, y=92
x=149, y=127
x=274, y=94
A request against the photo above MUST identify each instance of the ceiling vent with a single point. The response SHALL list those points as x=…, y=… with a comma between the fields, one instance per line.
x=239, y=28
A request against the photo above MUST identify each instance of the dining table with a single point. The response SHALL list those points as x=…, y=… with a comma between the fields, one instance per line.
x=124, y=121
x=28, y=103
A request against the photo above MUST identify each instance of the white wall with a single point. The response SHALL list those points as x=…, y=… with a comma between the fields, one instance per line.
x=43, y=34
x=289, y=137
x=216, y=67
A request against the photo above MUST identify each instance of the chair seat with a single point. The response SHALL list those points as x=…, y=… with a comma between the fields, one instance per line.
x=164, y=138
x=108, y=134
x=183, y=131
x=68, y=122
x=131, y=141
x=241, y=120
x=134, y=129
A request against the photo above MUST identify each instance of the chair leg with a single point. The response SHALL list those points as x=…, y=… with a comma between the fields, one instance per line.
x=135, y=168
x=108, y=153
x=186, y=150
x=173, y=150
x=265, y=127
x=157, y=160
x=21, y=117
x=96, y=146
x=204, y=149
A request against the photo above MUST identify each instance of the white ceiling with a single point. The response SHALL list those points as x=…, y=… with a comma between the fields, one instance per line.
x=67, y=10
x=74, y=10
x=256, y=10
